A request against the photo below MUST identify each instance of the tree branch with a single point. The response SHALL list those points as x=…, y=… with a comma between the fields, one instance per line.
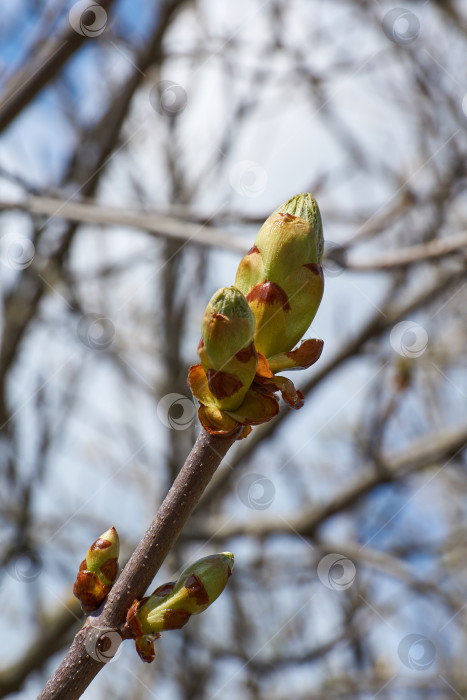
x=50, y=55
x=378, y=324
x=84, y=660
x=156, y=224
x=422, y=454
x=402, y=257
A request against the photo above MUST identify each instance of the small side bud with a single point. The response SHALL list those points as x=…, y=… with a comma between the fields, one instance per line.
x=98, y=571
x=198, y=586
x=227, y=327
x=201, y=583
x=226, y=351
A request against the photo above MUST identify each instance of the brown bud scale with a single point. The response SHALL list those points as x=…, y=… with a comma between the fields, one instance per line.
x=175, y=619
x=89, y=590
x=315, y=268
x=254, y=249
x=197, y=590
x=269, y=293
x=164, y=589
x=110, y=569
x=223, y=384
x=302, y=356
x=100, y=544
x=145, y=649
x=132, y=623
x=246, y=354
x=287, y=216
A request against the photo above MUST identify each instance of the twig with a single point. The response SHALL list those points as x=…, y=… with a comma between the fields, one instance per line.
x=154, y=223
x=84, y=660
x=378, y=324
x=402, y=257
x=424, y=453
x=47, y=59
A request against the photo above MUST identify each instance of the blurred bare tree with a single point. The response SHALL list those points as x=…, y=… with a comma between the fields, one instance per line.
x=143, y=144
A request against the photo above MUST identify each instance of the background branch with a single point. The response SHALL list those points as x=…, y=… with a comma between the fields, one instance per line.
x=99, y=215
x=48, y=57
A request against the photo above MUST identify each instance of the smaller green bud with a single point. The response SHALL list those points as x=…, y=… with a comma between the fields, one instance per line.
x=228, y=326
x=98, y=571
x=102, y=556
x=172, y=605
x=202, y=582
x=226, y=349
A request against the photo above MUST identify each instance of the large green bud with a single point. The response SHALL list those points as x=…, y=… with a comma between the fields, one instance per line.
x=172, y=605
x=98, y=571
x=226, y=349
x=281, y=276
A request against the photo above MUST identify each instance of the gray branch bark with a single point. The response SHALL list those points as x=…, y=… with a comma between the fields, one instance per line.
x=154, y=223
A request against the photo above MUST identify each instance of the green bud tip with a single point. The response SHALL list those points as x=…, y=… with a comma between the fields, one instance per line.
x=98, y=571
x=306, y=207
x=229, y=302
x=102, y=555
